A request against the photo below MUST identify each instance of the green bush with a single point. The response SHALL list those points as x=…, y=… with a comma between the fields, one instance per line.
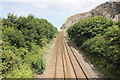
x=35, y=59
x=15, y=37
x=99, y=38
x=23, y=42
x=96, y=46
x=88, y=28
x=12, y=64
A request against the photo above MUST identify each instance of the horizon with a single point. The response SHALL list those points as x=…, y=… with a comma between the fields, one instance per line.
x=56, y=12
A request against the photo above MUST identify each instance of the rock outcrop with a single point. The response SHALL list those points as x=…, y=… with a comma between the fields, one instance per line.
x=110, y=10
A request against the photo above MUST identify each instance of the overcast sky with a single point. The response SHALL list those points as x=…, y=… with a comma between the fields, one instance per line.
x=55, y=11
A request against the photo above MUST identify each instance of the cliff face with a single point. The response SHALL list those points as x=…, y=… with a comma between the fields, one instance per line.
x=110, y=10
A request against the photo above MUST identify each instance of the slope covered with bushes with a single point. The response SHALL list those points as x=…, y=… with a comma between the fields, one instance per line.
x=23, y=42
x=99, y=38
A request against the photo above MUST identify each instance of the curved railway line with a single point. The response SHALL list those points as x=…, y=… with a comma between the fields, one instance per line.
x=66, y=63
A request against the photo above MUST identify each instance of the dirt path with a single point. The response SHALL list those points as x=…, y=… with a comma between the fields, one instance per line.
x=67, y=62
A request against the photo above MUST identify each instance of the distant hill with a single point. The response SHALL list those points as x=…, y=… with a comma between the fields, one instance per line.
x=110, y=10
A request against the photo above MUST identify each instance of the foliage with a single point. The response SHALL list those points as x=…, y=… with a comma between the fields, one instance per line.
x=88, y=28
x=14, y=36
x=100, y=39
x=23, y=40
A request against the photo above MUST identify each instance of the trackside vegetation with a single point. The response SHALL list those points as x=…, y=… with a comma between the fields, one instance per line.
x=23, y=43
x=99, y=38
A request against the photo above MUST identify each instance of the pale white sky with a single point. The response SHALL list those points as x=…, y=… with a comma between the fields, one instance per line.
x=55, y=11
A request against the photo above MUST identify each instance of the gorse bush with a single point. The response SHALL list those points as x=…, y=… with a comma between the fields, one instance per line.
x=23, y=42
x=99, y=38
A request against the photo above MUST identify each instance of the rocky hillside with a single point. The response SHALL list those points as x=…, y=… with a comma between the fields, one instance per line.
x=110, y=10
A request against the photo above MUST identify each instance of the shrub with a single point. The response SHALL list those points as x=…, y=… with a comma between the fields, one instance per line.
x=88, y=28
x=23, y=42
x=99, y=38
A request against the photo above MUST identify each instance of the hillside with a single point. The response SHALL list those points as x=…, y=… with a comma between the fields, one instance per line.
x=110, y=10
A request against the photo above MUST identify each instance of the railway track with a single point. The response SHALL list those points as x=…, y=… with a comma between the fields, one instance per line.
x=65, y=62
